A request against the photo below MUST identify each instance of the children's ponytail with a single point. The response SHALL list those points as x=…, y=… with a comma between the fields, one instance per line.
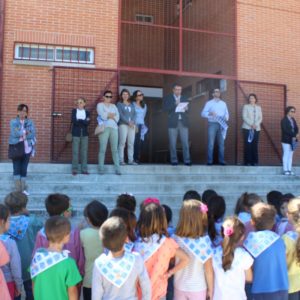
x=232, y=231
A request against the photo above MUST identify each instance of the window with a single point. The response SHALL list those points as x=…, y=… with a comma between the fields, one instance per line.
x=36, y=52
x=144, y=18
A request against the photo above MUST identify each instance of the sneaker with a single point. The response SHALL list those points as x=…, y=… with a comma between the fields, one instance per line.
x=26, y=193
x=132, y=163
x=85, y=173
x=118, y=172
x=286, y=173
x=122, y=163
x=292, y=173
x=74, y=173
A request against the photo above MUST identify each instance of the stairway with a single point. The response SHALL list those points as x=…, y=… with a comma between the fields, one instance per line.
x=168, y=183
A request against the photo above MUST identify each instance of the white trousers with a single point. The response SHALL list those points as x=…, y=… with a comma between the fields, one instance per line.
x=287, y=157
x=126, y=133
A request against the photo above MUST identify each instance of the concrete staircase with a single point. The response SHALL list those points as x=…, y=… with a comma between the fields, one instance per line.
x=168, y=183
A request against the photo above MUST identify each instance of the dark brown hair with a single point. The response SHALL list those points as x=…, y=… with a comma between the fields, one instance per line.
x=56, y=228
x=121, y=95
x=252, y=95
x=16, y=202
x=231, y=241
x=96, y=212
x=57, y=204
x=113, y=234
x=4, y=213
x=129, y=219
x=152, y=220
x=192, y=221
x=245, y=202
x=126, y=201
x=294, y=212
x=263, y=216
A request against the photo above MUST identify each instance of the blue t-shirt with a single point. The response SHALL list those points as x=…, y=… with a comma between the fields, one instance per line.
x=270, y=270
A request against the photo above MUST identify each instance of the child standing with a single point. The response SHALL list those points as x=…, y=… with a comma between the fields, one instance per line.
x=23, y=229
x=95, y=213
x=157, y=249
x=12, y=271
x=232, y=264
x=60, y=205
x=4, y=259
x=270, y=279
x=292, y=244
x=196, y=280
x=53, y=273
x=115, y=275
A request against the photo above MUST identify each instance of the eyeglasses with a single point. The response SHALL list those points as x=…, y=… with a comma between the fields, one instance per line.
x=140, y=95
x=109, y=97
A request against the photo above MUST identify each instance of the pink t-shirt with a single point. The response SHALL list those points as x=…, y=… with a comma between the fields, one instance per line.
x=4, y=259
x=158, y=264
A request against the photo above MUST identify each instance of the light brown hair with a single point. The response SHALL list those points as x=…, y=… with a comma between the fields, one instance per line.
x=56, y=228
x=152, y=220
x=192, y=221
x=231, y=241
x=294, y=212
x=263, y=216
x=16, y=202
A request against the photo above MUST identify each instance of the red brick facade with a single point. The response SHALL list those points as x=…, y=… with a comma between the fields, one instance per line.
x=266, y=33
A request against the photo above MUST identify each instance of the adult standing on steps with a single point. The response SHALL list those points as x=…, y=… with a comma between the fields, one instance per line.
x=126, y=127
x=23, y=136
x=289, y=139
x=252, y=118
x=80, y=139
x=215, y=110
x=176, y=106
x=109, y=114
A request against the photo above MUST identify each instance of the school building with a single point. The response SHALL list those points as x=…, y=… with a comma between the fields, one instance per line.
x=53, y=52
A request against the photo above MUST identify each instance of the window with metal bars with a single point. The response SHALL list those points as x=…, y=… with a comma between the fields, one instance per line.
x=53, y=53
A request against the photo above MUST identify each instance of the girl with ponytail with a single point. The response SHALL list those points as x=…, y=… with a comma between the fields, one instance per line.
x=292, y=244
x=231, y=263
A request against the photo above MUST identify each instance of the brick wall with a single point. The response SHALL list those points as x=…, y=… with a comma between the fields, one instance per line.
x=90, y=23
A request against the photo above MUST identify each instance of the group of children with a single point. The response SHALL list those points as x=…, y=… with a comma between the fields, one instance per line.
x=114, y=256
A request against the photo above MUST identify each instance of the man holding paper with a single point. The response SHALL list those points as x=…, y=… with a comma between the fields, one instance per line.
x=217, y=114
x=176, y=106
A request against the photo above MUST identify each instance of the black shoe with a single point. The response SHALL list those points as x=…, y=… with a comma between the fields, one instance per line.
x=174, y=163
x=209, y=164
x=188, y=164
x=222, y=164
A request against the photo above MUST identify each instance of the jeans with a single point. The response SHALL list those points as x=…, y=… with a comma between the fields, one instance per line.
x=137, y=144
x=214, y=131
x=184, y=137
x=126, y=133
x=250, y=149
x=20, y=166
x=87, y=293
x=110, y=134
x=287, y=157
x=82, y=143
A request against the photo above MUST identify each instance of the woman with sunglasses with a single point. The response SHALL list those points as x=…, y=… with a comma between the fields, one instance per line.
x=22, y=130
x=141, y=129
x=126, y=127
x=289, y=139
x=109, y=115
x=80, y=123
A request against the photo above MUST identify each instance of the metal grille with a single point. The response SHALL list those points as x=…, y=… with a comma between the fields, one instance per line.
x=184, y=36
x=68, y=85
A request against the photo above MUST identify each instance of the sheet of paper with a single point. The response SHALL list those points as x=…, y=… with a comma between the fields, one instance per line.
x=181, y=107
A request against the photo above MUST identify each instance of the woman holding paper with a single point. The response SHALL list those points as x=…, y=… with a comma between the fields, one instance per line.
x=289, y=139
x=252, y=118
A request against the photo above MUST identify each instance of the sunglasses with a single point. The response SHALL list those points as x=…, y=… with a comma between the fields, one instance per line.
x=140, y=95
x=109, y=97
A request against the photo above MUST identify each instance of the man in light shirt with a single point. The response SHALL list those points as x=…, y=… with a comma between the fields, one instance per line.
x=216, y=112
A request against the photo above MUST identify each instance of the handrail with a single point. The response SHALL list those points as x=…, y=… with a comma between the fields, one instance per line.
x=91, y=108
x=263, y=126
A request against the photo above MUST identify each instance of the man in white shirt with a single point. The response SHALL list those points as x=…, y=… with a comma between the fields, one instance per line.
x=216, y=112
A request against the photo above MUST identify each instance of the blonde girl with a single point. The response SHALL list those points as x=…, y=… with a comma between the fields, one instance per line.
x=292, y=244
x=157, y=249
x=232, y=264
x=195, y=282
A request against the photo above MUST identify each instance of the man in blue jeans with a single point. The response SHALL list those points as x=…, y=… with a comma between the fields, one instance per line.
x=176, y=106
x=215, y=110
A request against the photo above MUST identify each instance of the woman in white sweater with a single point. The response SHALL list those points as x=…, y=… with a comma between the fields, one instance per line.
x=109, y=114
x=252, y=119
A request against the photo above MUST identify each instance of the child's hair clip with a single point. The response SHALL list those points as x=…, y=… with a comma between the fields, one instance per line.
x=203, y=208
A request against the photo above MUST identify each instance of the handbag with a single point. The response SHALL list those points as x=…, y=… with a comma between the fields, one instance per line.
x=69, y=136
x=99, y=129
x=16, y=151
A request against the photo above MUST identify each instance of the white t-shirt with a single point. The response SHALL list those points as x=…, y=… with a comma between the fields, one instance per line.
x=230, y=285
x=192, y=277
